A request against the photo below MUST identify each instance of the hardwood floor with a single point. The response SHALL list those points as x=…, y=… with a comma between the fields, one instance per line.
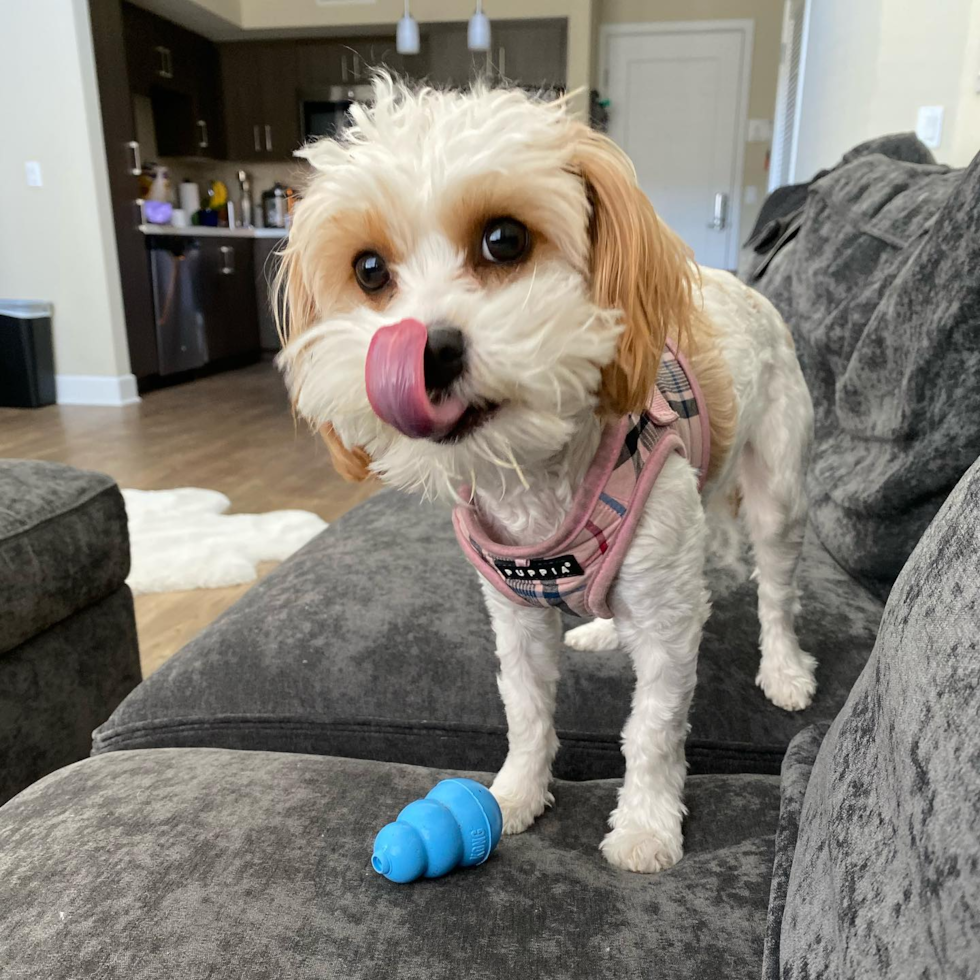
x=231, y=432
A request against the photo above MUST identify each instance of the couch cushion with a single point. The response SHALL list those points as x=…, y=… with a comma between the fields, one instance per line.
x=316, y=659
x=881, y=292
x=58, y=685
x=63, y=544
x=202, y=863
x=885, y=878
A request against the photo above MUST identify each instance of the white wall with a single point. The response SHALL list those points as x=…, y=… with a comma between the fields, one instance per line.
x=870, y=66
x=56, y=241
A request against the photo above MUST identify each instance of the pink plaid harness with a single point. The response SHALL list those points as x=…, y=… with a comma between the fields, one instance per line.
x=576, y=566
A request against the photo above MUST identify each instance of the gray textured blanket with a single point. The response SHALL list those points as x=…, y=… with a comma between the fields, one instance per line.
x=882, y=292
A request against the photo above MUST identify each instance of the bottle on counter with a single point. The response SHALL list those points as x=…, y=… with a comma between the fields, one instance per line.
x=245, y=200
x=275, y=206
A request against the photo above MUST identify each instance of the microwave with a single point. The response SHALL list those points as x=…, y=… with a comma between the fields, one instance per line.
x=326, y=112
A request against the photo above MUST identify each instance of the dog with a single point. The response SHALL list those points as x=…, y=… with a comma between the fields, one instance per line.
x=475, y=293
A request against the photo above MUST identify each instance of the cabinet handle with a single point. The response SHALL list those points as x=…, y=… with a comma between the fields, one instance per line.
x=502, y=67
x=255, y=138
x=357, y=66
x=268, y=137
x=227, y=260
x=166, y=69
x=137, y=167
x=203, y=141
x=343, y=67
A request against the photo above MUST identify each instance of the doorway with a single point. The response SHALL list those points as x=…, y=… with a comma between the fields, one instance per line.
x=678, y=97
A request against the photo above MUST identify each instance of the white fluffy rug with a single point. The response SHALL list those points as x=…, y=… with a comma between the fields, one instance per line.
x=183, y=539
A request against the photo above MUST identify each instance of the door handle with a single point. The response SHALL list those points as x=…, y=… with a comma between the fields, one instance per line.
x=227, y=260
x=137, y=168
x=268, y=137
x=203, y=127
x=719, y=220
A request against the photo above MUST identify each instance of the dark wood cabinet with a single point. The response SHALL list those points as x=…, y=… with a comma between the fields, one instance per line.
x=227, y=297
x=179, y=72
x=531, y=53
x=119, y=130
x=260, y=82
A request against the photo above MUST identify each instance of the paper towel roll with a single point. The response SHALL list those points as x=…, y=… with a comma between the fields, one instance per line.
x=190, y=198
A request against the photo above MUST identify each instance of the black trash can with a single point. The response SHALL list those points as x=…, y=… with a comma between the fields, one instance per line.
x=26, y=354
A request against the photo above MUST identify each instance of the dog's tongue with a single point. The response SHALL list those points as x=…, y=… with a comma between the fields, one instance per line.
x=395, y=377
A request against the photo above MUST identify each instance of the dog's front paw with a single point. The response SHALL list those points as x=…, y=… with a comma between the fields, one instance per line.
x=789, y=685
x=642, y=850
x=600, y=634
x=520, y=810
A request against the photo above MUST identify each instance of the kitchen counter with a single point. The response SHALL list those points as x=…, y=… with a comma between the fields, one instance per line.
x=203, y=231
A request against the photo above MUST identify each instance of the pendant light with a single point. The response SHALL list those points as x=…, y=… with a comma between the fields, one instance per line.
x=407, y=34
x=478, y=32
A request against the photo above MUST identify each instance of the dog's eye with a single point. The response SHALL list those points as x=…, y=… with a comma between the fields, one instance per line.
x=371, y=271
x=505, y=240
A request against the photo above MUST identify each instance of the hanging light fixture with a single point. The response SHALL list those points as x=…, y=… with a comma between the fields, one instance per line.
x=407, y=34
x=478, y=32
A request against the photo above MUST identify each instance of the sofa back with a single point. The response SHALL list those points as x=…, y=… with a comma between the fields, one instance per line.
x=885, y=877
x=882, y=292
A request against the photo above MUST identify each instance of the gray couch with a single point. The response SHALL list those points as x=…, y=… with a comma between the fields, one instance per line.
x=223, y=827
x=68, y=652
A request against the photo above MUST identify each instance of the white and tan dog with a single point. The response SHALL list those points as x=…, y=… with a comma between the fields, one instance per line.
x=548, y=286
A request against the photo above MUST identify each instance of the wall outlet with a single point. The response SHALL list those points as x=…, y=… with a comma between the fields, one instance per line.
x=32, y=170
x=929, y=125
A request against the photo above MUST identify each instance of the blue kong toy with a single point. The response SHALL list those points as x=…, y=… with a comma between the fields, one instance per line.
x=456, y=826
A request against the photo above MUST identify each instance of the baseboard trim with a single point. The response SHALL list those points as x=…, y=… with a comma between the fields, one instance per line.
x=90, y=389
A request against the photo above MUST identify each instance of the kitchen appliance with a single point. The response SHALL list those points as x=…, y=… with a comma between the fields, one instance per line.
x=325, y=112
x=176, y=271
x=275, y=206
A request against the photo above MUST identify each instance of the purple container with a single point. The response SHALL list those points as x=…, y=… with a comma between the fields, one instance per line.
x=158, y=212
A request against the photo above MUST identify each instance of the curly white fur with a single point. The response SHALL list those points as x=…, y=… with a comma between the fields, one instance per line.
x=537, y=342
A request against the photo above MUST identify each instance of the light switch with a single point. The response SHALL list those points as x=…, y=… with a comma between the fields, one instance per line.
x=759, y=131
x=32, y=170
x=751, y=195
x=929, y=125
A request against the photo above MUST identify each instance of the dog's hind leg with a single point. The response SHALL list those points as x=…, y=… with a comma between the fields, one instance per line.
x=771, y=475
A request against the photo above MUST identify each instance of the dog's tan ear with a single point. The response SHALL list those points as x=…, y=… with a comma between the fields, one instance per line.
x=293, y=303
x=354, y=465
x=295, y=312
x=638, y=265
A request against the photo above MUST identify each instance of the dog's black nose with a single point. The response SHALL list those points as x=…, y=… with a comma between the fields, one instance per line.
x=445, y=354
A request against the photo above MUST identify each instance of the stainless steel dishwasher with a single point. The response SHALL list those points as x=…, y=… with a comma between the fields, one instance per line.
x=177, y=272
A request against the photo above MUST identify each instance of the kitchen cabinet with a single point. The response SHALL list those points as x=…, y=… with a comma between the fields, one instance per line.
x=227, y=295
x=324, y=63
x=446, y=58
x=179, y=72
x=531, y=53
x=262, y=105
x=119, y=132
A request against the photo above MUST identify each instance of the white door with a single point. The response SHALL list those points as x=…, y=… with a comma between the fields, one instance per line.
x=677, y=106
